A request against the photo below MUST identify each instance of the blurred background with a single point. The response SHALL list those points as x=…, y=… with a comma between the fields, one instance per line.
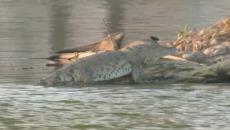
x=37, y=28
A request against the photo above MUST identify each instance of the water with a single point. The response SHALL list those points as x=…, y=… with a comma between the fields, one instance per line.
x=147, y=107
x=38, y=28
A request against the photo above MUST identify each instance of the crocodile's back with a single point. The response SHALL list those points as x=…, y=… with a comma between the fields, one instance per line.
x=100, y=67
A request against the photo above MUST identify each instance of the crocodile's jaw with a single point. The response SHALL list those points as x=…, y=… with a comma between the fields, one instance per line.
x=61, y=77
x=49, y=81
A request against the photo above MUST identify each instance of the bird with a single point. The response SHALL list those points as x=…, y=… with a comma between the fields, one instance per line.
x=154, y=38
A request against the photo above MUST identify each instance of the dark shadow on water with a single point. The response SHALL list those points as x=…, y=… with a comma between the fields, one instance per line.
x=115, y=15
x=60, y=13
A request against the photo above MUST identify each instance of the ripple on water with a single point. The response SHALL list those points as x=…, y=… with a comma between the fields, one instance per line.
x=115, y=107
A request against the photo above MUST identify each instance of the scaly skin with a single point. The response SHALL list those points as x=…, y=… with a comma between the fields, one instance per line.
x=107, y=65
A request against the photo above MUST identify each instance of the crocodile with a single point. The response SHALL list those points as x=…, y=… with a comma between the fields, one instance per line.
x=196, y=57
x=106, y=66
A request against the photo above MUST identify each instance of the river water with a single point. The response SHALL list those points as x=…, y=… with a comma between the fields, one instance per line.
x=37, y=28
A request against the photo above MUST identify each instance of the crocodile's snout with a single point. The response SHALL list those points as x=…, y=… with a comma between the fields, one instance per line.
x=47, y=82
x=51, y=80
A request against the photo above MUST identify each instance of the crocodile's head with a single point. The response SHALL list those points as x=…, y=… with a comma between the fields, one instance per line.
x=52, y=80
x=61, y=78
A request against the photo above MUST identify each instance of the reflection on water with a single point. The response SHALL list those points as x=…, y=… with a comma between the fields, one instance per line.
x=115, y=15
x=37, y=28
x=60, y=13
